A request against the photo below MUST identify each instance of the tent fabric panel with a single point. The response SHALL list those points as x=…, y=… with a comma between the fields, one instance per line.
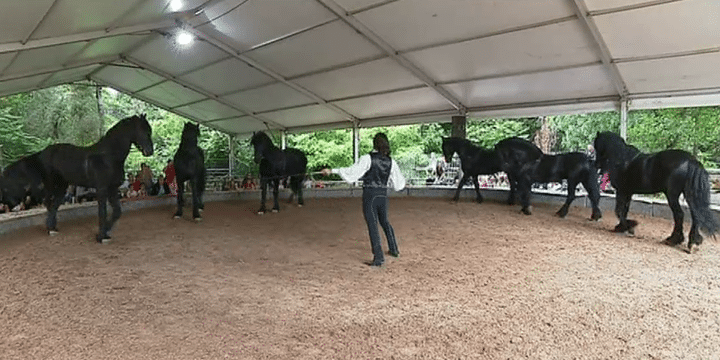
x=19, y=18
x=70, y=75
x=227, y=76
x=76, y=16
x=19, y=85
x=163, y=53
x=132, y=79
x=353, y=5
x=153, y=9
x=692, y=72
x=545, y=110
x=210, y=109
x=5, y=59
x=675, y=102
x=550, y=46
x=409, y=101
x=594, y=5
x=662, y=29
x=411, y=24
x=171, y=94
x=240, y=125
x=43, y=58
x=581, y=82
x=379, y=75
x=109, y=46
x=313, y=114
x=256, y=22
x=271, y=97
x=315, y=49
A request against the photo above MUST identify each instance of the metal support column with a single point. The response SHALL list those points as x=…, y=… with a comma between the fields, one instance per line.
x=458, y=126
x=283, y=139
x=623, y=118
x=231, y=155
x=356, y=141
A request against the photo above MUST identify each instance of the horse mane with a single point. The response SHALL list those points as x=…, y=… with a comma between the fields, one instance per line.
x=261, y=137
x=616, y=145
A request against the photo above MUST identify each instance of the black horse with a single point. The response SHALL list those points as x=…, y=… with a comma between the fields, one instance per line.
x=22, y=182
x=576, y=167
x=277, y=164
x=190, y=165
x=474, y=161
x=513, y=153
x=672, y=172
x=98, y=166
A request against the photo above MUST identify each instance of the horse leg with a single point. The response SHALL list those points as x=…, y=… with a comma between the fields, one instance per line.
x=479, y=198
x=102, y=215
x=195, y=200
x=513, y=189
x=460, y=186
x=593, y=190
x=572, y=184
x=622, y=206
x=53, y=199
x=180, y=199
x=524, y=191
x=263, y=194
x=676, y=237
x=276, y=186
x=694, y=237
x=299, y=187
x=114, y=198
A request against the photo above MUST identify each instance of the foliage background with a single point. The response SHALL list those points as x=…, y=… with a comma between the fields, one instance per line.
x=81, y=113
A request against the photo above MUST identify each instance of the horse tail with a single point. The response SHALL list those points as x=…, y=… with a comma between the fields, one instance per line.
x=697, y=195
x=296, y=182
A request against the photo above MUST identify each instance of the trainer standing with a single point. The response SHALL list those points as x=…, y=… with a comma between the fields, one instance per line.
x=378, y=172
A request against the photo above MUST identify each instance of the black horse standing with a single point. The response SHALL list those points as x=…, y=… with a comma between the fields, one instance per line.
x=513, y=153
x=190, y=165
x=99, y=166
x=672, y=172
x=576, y=167
x=275, y=165
x=474, y=161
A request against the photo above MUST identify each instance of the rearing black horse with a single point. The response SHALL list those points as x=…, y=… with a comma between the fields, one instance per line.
x=277, y=164
x=672, y=172
x=576, y=167
x=99, y=166
x=474, y=161
x=189, y=163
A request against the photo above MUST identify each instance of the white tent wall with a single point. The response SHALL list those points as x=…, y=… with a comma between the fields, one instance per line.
x=304, y=65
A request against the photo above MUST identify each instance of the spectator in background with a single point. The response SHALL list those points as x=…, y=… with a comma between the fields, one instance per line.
x=125, y=186
x=160, y=188
x=147, y=175
x=170, y=177
x=248, y=182
x=136, y=187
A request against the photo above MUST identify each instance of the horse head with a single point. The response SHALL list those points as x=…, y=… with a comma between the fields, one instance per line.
x=190, y=133
x=142, y=135
x=609, y=149
x=261, y=143
x=449, y=147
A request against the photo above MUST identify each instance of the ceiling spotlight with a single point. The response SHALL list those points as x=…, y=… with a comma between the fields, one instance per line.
x=183, y=38
x=176, y=5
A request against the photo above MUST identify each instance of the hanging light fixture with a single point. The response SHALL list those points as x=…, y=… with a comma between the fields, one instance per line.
x=184, y=37
x=176, y=5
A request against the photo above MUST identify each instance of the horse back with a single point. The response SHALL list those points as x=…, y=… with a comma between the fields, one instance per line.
x=515, y=152
x=652, y=173
x=295, y=162
x=80, y=166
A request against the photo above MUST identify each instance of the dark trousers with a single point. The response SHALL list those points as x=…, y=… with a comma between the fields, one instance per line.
x=375, y=207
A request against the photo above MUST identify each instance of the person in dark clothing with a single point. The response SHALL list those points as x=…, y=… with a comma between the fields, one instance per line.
x=378, y=172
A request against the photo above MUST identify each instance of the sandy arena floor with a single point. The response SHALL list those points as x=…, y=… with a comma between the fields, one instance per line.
x=473, y=282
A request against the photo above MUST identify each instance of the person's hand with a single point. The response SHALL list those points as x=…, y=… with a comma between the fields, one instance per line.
x=326, y=172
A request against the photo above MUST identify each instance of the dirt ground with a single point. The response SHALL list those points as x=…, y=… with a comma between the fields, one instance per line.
x=472, y=282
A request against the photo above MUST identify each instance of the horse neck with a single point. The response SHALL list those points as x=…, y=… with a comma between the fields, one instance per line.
x=269, y=149
x=114, y=143
x=187, y=143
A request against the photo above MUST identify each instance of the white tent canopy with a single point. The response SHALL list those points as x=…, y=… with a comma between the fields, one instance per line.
x=301, y=65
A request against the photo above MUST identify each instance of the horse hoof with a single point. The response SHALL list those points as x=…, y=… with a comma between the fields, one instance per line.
x=261, y=213
x=197, y=219
x=300, y=205
x=526, y=211
x=53, y=232
x=275, y=210
x=177, y=217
